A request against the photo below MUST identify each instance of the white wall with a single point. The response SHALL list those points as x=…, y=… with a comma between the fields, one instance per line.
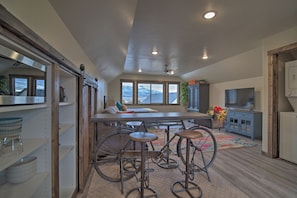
x=260, y=83
x=40, y=17
x=114, y=89
x=217, y=91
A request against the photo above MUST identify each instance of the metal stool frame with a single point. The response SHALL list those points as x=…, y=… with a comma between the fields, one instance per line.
x=143, y=138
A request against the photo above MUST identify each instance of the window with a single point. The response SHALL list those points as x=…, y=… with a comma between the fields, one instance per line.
x=149, y=92
x=20, y=86
x=173, y=93
x=27, y=86
x=39, y=87
x=127, y=93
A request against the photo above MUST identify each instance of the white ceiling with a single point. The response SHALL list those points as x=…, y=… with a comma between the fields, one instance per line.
x=119, y=35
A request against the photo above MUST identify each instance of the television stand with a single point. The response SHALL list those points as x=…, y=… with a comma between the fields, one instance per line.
x=244, y=122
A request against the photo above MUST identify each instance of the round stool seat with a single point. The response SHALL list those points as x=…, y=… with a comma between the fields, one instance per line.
x=189, y=134
x=143, y=136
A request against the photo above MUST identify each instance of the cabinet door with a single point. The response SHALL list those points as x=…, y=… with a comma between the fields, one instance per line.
x=193, y=98
x=246, y=123
x=198, y=98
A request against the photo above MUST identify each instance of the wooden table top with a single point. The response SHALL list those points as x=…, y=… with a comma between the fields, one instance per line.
x=152, y=117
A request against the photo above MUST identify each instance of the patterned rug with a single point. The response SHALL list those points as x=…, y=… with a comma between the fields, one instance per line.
x=224, y=140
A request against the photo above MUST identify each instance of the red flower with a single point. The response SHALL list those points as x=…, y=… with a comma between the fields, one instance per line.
x=217, y=109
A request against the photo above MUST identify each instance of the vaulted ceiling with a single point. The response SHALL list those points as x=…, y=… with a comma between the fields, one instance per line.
x=119, y=35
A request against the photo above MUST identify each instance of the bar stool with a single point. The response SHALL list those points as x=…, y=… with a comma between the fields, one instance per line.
x=192, y=189
x=143, y=138
x=168, y=162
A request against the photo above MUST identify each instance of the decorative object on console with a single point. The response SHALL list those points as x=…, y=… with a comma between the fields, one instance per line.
x=218, y=117
x=193, y=82
x=217, y=113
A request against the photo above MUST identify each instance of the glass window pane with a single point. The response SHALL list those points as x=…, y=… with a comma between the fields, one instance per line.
x=39, y=87
x=157, y=94
x=173, y=94
x=143, y=95
x=21, y=86
x=150, y=92
x=127, y=92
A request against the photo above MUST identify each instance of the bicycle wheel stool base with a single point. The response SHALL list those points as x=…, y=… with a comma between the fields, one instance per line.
x=186, y=186
x=168, y=164
x=143, y=137
x=147, y=192
x=179, y=189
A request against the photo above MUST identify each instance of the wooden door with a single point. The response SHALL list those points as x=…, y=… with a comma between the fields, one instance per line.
x=86, y=135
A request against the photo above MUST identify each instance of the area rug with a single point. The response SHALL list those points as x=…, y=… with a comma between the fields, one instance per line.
x=224, y=140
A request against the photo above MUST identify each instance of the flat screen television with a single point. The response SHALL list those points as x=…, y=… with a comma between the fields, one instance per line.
x=240, y=98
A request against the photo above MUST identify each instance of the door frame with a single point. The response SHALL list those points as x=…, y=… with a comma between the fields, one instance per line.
x=273, y=132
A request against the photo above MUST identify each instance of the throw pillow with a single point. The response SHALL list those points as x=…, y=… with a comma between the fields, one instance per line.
x=119, y=106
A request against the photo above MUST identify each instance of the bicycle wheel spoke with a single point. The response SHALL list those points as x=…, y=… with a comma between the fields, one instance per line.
x=108, y=153
x=202, y=150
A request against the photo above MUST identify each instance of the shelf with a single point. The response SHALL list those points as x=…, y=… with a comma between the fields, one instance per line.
x=63, y=151
x=29, y=145
x=21, y=107
x=64, y=128
x=61, y=104
x=68, y=123
x=26, y=189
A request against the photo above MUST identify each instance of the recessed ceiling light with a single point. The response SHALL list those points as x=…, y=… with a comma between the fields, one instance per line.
x=209, y=15
x=154, y=52
x=204, y=57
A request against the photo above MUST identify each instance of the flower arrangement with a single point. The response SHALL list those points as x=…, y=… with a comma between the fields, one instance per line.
x=218, y=113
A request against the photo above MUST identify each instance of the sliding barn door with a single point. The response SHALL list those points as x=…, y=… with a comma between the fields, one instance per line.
x=86, y=135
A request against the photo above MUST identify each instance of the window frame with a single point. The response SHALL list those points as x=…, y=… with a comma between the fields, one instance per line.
x=178, y=92
x=31, y=83
x=165, y=91
x=151, y=83
x=133, y=90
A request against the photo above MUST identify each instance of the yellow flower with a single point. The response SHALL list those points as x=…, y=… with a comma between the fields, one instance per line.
x=217, y=113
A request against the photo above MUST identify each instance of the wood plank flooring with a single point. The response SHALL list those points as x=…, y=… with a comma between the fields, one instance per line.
x=256, y=175
x=237, y=173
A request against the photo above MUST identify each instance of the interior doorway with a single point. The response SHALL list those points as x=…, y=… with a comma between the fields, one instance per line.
x=286, y=53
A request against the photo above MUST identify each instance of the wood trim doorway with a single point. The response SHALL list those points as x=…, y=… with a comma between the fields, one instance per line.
x=273, y=133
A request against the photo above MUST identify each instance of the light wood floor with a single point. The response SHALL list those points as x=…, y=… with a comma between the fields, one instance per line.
x=237, y=173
